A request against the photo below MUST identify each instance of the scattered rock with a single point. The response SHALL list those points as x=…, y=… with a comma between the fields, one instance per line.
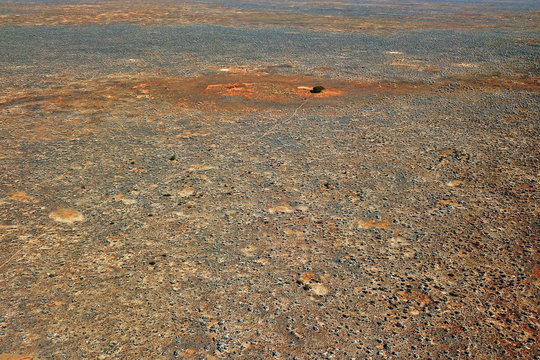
x=312, y=283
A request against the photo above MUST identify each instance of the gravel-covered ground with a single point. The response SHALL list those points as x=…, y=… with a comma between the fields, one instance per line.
x=171, y=189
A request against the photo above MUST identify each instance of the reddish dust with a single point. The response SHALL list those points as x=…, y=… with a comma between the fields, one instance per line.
x=223, y=92
x=229, y=92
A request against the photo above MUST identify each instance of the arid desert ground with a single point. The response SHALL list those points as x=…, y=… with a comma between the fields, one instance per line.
x=170, y=187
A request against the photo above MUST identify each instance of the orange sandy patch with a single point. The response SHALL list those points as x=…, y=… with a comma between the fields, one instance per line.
x=536, y=271
x=374, y=224
x=293, y=232
x=452, y=202
x=138, y=169
x=186, y=191
x=422, y=298
x=201, y=167
x=455, y=183
x=267, y=88
x=249, y=250
x=318, y=289
x=232, y=89
x=307, y=277
x=66, y=216
x=313, y=282
x=190, y=134
x=526, y=187
x=17, y=357
x=281, y=209
x=21, y=196
x=122, y=198
x=305, y=91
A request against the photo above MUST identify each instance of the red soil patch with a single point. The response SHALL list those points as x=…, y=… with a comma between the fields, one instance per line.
x=229, y=92
x=217, y=91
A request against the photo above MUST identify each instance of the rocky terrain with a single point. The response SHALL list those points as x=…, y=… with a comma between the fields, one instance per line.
x=171, y=188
